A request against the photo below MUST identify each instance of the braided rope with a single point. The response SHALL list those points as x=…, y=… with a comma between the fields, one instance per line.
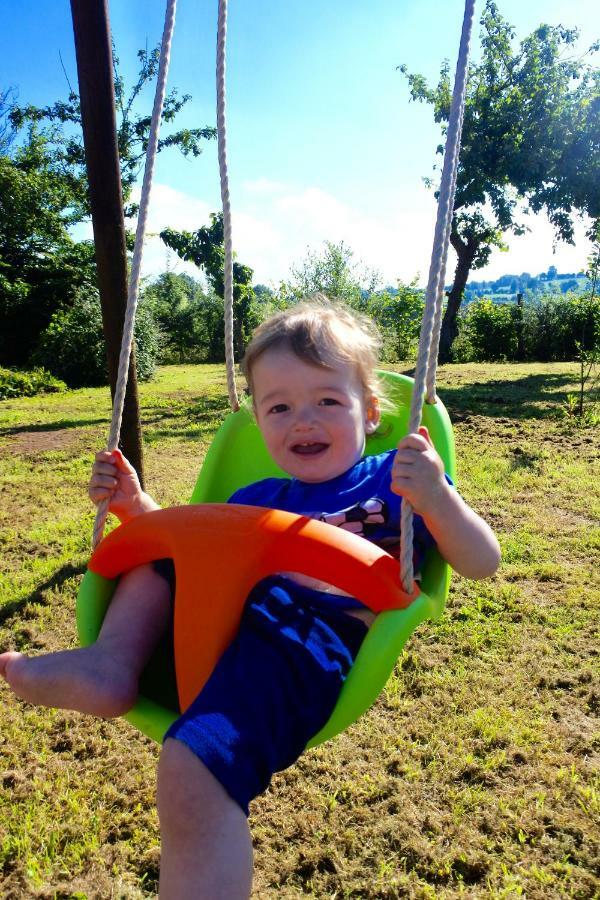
x=433, y=296
x=225, y=200
x=134, y=277
x=437, y=325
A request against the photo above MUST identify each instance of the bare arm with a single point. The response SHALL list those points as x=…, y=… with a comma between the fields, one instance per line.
x=465, y=541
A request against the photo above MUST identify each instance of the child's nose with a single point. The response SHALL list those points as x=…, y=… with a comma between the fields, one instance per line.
x=305, y=417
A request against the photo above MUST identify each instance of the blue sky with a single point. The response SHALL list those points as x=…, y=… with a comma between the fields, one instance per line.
x=323, y=143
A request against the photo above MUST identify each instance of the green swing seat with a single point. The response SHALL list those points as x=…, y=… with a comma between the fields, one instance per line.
x=237, y=457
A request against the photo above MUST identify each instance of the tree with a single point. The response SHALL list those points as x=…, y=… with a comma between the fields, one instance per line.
x=205, y=249
x=531, y=141
x=187, y=318
x=43, y=193
x=133, y=130
x=398, y=315
x=331, y=272
x=41, y=267
x=7, y=131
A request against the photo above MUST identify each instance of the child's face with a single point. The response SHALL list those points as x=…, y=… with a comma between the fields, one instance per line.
x=313, y=420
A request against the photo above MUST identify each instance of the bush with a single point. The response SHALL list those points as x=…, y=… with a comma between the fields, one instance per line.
x=72, y=346
x=557, y=328
x=398, y=317
x=26, y=384
x=488, y=333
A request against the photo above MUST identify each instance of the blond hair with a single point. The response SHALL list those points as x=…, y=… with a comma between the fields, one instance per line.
x=321, y=333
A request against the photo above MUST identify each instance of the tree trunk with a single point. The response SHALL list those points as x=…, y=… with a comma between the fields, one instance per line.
x=96, y=92
x=465, y=251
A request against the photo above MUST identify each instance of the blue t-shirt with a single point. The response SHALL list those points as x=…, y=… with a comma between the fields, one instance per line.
x=359, y=500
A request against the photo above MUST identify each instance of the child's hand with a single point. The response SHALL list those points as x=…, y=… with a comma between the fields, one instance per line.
x=418, y=472
x=114, y=477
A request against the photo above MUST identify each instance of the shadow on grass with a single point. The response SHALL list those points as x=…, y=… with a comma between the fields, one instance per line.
x=531, y=397
x=207, y=407
x=38, y=595
x=52, y=426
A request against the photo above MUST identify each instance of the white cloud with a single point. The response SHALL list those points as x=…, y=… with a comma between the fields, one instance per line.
x=305, y=217
x=535, y=251
x=274, y=224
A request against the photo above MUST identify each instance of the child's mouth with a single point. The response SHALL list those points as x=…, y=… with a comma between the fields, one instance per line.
x=309, y=448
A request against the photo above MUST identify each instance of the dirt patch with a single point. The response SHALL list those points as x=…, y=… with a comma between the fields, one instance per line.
x=33, y=442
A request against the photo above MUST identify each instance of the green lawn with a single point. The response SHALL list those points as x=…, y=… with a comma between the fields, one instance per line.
x=476, y=773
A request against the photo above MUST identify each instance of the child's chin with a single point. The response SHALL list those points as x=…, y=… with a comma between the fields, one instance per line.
x=313, y=474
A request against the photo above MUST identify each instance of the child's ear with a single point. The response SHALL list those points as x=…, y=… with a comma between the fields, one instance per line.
x=373, y=415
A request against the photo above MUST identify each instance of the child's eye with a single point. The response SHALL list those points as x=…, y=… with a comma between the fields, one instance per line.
x=329, y=401
x=279, y=408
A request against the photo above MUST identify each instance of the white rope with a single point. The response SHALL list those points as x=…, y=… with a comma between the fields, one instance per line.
x=437, y=324
x=225, y=200
x=433, y=296
x=134, y=278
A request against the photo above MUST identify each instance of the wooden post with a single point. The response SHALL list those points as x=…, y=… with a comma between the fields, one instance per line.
x=520, y=343
x=97, y=97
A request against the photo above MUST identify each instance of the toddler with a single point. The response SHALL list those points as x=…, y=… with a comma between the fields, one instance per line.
x=311, y=374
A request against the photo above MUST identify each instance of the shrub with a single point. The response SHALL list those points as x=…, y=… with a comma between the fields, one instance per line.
x=488, y=332
x=398, y=317
x=557, y=328
x=26, y=384
x=72, y=346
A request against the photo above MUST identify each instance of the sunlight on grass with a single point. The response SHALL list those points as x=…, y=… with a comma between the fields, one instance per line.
x=472, y=775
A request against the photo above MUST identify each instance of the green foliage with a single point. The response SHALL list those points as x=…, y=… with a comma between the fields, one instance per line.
x=559, y=327
x=331, y=272
x=41, y=267
x=398, y=317
x=205, y=248
x=553, y=328
x=73, y=348
x=27, y=384
x=191, y=321
x=488, y=332
x=531, y=135
x=133, y=130
x=43, y=192
x=585, y=405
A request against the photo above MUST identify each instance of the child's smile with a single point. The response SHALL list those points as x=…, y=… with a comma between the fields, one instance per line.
x=313, y=419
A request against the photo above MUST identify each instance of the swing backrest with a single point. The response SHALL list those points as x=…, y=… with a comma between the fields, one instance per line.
x=238, y=456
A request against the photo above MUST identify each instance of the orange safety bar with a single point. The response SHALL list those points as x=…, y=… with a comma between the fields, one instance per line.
x=221, y=551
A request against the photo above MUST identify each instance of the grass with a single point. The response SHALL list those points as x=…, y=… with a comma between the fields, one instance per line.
x=475, y=774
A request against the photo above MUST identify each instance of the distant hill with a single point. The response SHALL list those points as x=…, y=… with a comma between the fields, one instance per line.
x=506, y=288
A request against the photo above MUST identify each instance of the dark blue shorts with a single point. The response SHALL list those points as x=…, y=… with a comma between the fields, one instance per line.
x=273, y=689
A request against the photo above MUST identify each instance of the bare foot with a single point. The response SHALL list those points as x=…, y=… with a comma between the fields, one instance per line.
x=87, y=679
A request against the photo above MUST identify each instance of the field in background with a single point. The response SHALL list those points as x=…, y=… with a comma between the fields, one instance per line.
x=476, y=773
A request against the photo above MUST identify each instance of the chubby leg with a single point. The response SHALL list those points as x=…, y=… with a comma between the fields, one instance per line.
x=101, y=679
x=206, y=843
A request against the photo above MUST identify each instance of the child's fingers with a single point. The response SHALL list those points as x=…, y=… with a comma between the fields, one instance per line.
x=424, y=432
x=122, y=463
x=415, y=441
x=407, y=456
x=403, y=471
x=401, y=485
x=104, y=456
x=103, y=468
x=96, y=494
x=104, y=481
x=114, y=458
